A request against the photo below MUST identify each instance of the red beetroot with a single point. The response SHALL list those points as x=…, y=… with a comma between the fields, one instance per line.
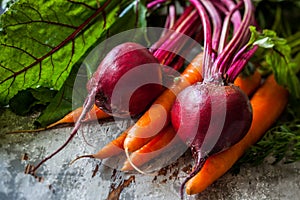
x=118, y=63
x=199, y=104
x=210, y=118
x=214, y=115
x=125, y=59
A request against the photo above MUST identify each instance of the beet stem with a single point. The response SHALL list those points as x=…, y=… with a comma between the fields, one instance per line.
x=198, y=166
x=171, y=18
x=207, y=38
x=226, y=25
x=217, y=26
x=237, y=39
x=240, y=63
x=88, y=104
x=236, y=17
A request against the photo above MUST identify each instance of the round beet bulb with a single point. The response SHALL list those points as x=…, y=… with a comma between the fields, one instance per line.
x=127, y=80
x=210, y=118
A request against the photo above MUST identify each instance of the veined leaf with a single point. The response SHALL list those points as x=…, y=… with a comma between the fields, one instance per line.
x=278, y=58
x=26, y=100
x=40, y=40
x=134, y=15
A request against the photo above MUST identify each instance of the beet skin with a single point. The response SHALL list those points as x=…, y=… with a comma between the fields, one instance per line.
x=137, y=67
x=210, y=118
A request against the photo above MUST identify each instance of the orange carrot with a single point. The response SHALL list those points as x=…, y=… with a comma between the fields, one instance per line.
x=248, y=83
x=109, y=149
x=153, y=148
x=157, y=116
x=113, y=148
x=94, y=114
x=145, y=153
x=268, y=102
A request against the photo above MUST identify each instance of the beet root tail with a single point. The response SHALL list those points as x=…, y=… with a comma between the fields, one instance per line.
x=88, y=104
x=198, y=166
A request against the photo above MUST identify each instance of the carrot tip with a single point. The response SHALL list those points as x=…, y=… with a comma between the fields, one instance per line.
x=189, y=191
x=134, y=166
x=126, y=166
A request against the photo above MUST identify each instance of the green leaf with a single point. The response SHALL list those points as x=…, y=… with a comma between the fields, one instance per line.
x=133, y=15
x=22, y=103
x=294, y=43
x=278, y=58
x=264, y=42
x=26, y=100
x=40, y=41
x=43, y=95
x=61, y=103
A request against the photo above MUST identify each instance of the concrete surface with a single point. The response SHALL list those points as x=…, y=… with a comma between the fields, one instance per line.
x=78, y=181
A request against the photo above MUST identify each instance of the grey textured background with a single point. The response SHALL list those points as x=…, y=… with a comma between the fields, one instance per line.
x=76, y=182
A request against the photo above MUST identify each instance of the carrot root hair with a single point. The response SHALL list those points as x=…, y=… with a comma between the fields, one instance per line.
x=134, y=166
x=85, y=140
x=80, y=157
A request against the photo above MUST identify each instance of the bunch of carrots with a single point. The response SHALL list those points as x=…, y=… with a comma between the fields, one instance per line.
x=266, y=111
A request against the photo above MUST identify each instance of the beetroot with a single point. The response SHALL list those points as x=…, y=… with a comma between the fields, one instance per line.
x=214, y=115
x=125, y=59
x=210, y=118
x=141, y=71
x=218, y=108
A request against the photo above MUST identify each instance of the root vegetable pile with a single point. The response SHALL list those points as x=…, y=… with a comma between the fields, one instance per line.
x=131, y=63
x=207, y=106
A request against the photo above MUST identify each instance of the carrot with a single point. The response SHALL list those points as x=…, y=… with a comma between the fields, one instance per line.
x=113, y=148
x=94, y=114
x=145, y=153
x=156, y=146
x=268, y=102
x=157, y=116
x=249, y=83
x=241, y=82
